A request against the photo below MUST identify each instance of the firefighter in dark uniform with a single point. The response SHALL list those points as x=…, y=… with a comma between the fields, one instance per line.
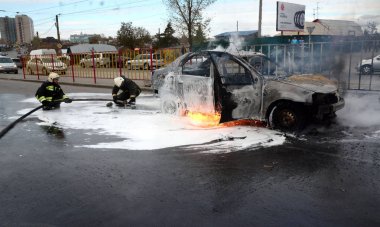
x=50, y=93
x=129, y=90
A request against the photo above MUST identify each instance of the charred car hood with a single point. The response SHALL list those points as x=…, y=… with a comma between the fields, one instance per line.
x=315, y=83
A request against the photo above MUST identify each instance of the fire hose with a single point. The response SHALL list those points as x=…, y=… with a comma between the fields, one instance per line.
x=10, y=126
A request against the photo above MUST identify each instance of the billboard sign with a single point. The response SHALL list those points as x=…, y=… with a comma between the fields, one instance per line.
x=290, y=17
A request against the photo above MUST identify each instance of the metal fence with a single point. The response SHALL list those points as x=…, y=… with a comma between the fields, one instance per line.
x=354, y=64
x=341, y=60
x=135, y=64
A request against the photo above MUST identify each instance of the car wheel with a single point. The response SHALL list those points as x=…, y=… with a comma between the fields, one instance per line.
x=29, y=70
x=146, y=66
x=129, y=66
x=288, y=117
x=169, y=104
x=366, y=69
x=16, y=72
x=83, y=65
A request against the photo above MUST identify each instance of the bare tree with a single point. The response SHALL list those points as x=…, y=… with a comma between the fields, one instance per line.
x=187, y=14
x=371, y=27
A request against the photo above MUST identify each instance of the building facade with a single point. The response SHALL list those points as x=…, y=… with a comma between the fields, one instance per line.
x=8, y=30
x=24, y=29
x=330, y=27
x=81, y=38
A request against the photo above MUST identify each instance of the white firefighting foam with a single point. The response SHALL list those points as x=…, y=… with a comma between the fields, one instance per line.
x=361, y=110
x=146, y=128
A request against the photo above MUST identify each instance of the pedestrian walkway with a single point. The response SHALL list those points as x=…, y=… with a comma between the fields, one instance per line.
x=90, y=82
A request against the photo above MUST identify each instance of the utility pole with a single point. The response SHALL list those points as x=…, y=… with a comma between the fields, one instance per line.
x=317, y=10
x=57, y=25
x=260, y=17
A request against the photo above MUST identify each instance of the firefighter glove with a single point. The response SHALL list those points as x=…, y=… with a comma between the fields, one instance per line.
x=46, y=103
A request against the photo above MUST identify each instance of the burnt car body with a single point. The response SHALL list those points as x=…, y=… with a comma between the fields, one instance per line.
x=220, y=82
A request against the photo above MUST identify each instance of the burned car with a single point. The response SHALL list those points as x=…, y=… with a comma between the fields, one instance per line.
x=225, y=84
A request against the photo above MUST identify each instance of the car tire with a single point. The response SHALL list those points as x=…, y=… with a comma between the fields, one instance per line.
x=82, y=65
x=288, y=116
x=170, y=105
x=146, y=66
x=366, y=69
x=129, y=67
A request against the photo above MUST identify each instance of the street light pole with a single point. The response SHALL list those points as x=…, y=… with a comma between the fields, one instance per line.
x=310, y=30
x=260, y=17
x=57, y=25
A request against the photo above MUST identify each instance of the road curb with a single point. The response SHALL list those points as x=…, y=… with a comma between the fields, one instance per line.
x=74, y=84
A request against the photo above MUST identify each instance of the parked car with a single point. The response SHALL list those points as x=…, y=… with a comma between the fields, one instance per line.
x=219, y=82
x=368, y=66
x=97, y=59
x=7, y=65
x=119, y=62
x=18, y=62
x=45, y=66
x=144, y=61
x=65, y=59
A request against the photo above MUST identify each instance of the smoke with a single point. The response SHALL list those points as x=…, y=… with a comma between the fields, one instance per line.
x=361, y=110
x=235, y=44
x=363, y=20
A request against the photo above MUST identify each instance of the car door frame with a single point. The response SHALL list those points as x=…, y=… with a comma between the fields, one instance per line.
x=238, y=97
x=196, y=87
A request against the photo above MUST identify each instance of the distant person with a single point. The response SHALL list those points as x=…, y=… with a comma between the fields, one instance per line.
x=301, y=42
x=183, y=50
x=50, y=93
x=129, y=91
x=294, y=41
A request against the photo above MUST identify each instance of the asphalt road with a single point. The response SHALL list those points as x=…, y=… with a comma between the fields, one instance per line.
x=328, y=176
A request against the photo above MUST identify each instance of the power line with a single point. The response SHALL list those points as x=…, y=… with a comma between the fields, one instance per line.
x=52, y=7
x=48, y=30
x=99, y=9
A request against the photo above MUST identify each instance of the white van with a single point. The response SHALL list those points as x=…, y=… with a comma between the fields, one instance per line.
x=40, y=52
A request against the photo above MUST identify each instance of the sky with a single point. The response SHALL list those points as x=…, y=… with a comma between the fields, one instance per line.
x=105, y=17
x=146, y=128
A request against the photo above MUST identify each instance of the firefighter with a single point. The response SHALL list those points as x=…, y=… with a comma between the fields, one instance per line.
x=50, y=93
x=129, y=90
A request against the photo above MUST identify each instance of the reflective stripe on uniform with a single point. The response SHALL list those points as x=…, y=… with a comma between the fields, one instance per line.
x=50, y=88
x=41, y=99
x=63, y=97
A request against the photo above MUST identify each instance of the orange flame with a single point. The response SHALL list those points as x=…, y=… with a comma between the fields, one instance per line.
x=204, y=119
x=213, y=119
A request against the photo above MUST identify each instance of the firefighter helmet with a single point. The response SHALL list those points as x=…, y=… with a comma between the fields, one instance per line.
x=118, y=81
x=53, y=76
